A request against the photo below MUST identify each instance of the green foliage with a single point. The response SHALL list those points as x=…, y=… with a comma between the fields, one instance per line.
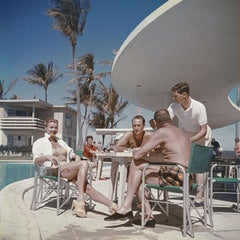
x=70, y=17
x=13, y=150
x=103, y=107
x=4, y=91
x=108, y=107
x=42, y=76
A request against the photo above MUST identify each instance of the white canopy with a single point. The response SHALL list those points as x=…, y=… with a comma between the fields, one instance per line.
x=197, y=41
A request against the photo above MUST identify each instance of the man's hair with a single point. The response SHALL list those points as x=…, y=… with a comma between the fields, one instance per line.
x=139, y=117
x=89, y=137
x=48, y=120
x=162, y=116
x=181, y=88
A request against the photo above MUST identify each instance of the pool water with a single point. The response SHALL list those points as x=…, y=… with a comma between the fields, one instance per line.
x=12, y=172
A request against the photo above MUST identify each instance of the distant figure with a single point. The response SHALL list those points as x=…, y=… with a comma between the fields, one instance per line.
x=89, y=151
x=237, y=147
x=216, y=148
x=152, y=123
x=89, y=148
x=99, y=146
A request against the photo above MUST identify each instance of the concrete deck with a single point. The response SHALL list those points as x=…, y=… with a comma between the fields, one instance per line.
x=18, y=222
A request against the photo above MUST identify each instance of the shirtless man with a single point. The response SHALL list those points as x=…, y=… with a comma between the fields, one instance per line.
x=134, y=139
x=131, y=140
x=175, y=147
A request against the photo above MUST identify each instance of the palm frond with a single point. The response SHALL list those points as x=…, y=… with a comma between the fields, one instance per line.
x=70, y=17
x=42, y=75
x=108, y=103
x=3, y=91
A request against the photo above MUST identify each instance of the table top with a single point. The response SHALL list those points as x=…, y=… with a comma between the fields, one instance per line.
x=115, y=154
x=227, y=160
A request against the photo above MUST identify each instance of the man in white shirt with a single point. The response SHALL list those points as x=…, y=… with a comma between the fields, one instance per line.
x=192, y=118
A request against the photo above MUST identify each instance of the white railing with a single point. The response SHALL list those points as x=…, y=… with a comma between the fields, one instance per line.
x=21, y=123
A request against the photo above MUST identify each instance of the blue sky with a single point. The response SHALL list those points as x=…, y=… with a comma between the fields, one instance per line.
x=26, y=39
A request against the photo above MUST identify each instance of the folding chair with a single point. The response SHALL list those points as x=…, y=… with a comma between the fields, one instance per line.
x=229, y=185
x=200, y=160
x=47, y=188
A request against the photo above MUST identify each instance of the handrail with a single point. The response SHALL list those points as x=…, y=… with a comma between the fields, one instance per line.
x=21, y=123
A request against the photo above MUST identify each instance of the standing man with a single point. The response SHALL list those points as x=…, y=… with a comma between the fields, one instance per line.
x=192, y=118
x=216, y=147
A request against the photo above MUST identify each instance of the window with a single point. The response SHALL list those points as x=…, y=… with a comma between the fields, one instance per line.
x=10, y=112
x=69, y=141
x=20, y=113
x=68, y=120
x=10, y=140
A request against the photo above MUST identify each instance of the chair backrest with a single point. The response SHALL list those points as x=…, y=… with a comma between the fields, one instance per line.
x=200, y=159
x=79, y=153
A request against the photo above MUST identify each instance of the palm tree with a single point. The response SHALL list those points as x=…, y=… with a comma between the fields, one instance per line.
x=85, y=68
x=14, y=96
x=86, y=92
x=4, y=92
x=108, y=108
x=70, y=19
x=43, y=76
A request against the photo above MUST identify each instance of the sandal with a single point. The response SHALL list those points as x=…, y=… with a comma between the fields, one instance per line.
x=79, y=208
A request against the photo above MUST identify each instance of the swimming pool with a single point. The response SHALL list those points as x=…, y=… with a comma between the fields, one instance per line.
x=14, y=171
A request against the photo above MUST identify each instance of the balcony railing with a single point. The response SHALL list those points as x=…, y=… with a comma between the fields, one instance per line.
x=27, y=123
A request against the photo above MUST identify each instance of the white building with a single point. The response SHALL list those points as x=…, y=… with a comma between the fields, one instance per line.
x=22, y=121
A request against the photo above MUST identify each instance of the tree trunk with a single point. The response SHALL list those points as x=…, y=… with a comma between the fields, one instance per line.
x=46, y=96
x=103, y=139
x=88, y=115
x=79, y=140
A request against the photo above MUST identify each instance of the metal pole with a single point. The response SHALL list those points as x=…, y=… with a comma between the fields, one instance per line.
x=238, y=104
